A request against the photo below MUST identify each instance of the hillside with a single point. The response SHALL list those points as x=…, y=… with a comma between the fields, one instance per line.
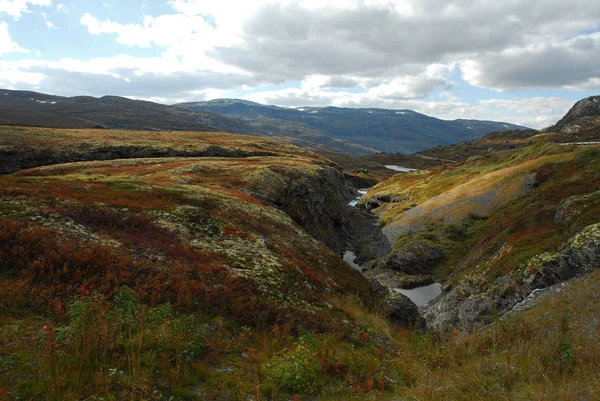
x=403, y=131
x=583, y=116
x=493, y=226
x=186, y=247
x=38, y=109
x=206, y=266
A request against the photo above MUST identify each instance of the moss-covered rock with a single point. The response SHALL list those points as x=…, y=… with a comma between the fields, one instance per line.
x=467, y=306
x=420, y=257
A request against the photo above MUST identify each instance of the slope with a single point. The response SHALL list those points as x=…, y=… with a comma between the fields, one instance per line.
x=495, y=228
x=37, y=109
x=402, y=131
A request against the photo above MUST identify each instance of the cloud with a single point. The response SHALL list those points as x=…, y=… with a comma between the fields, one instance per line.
x=6, y=43
x=350, y=42
x=534, y=112
x=142, y=78
x=572, y=64
x=49, y=23
x=348, y=53
x=16, y=8
x=381, y=37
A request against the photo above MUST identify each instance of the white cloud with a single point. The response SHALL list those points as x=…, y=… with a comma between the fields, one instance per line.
x=571, y=64
x=341, y=44
x=49, y=23
x=6, y=43
x=15, y=8
x=347, y=53
x=535, y=112
x=166, y=30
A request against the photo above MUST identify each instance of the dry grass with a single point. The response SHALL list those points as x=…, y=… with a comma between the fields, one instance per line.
x=231, y=300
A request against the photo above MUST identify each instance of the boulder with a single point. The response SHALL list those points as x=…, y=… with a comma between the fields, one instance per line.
x=416, y=258
x=398, y=307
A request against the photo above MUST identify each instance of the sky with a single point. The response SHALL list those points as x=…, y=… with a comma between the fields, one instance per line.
x=520, y=61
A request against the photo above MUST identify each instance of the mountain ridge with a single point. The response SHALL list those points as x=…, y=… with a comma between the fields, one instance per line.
x=330, y=129
x=585, y=114
x=387, y=130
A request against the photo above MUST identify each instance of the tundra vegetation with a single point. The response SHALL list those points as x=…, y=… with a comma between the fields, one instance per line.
x=178, y=276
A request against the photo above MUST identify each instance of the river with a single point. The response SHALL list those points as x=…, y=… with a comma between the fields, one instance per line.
x=362, y=192
x=421, y=295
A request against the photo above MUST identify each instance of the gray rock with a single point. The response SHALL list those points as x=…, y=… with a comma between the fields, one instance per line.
x=400, y=309
x=416, y=258
x=397, y=307
x=589, y=107
x=570, y=208
x=465, y=307
x=529, y=183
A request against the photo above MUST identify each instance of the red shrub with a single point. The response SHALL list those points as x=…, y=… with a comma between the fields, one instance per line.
x=56, y=268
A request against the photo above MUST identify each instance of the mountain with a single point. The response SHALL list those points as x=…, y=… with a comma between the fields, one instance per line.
x=340, y=130
x=403, y=131
x=37, y=109
x=585, y=114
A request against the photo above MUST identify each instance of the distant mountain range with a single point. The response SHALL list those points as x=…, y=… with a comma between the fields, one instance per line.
x=38, y=109
x=341, y=130
x=403, y=131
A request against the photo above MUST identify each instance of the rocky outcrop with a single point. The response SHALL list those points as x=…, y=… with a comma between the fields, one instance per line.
x=318, y=202
x=569, y=209
x=360, y=181
x=416, y=258
x=13, y=160
x=466, y=306
x=575, y=118
x=410, y=266
x=375, y=201
x=397, y=307
x=366, y=238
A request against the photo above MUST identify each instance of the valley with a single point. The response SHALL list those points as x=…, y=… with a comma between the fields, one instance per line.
x=192, y=265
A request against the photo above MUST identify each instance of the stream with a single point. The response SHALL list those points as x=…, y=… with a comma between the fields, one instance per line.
x=419, y=295
x=349, y=258
x=362, y=192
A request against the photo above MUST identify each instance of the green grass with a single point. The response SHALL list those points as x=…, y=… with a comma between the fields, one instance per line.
x=162, y=279
x=120, y=348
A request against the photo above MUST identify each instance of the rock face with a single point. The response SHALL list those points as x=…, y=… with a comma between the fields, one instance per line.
x=317, y=201
x=366, y=238
x=570, y=208
x=586, y=108
x=319, y=204
x=12, y=160
x=465, y=307
x=397, y=307
x=416, y=258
